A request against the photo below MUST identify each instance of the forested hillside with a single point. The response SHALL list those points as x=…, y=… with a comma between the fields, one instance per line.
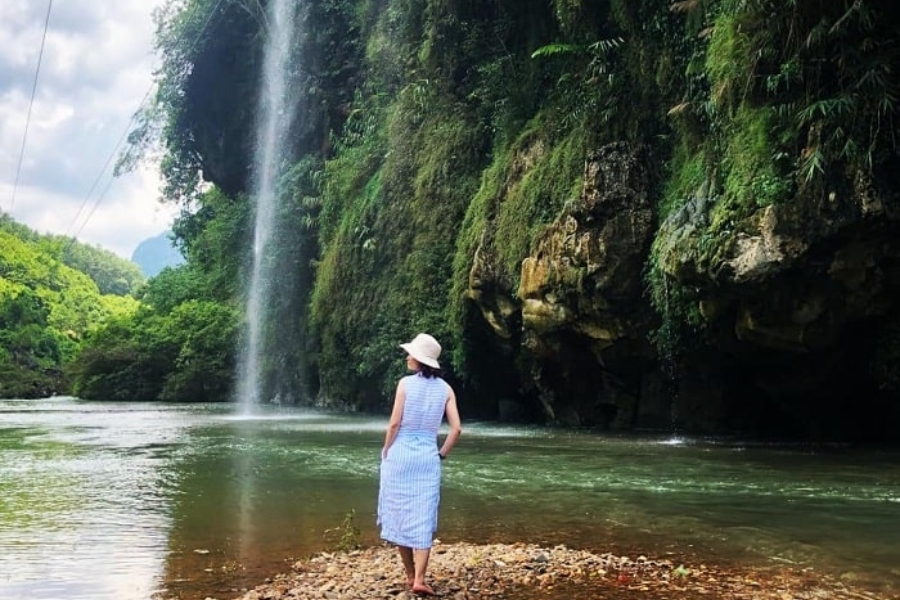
x=48, y=305
x=112, y=274
x=617, y=213
x=79, y=319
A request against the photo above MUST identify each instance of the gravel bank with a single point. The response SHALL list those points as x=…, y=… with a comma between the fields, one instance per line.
x=530, y=572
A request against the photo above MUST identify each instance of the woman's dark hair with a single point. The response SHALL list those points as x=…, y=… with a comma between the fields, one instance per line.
x=428, y=372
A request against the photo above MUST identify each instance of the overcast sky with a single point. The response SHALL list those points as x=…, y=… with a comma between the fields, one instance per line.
x=96, y=69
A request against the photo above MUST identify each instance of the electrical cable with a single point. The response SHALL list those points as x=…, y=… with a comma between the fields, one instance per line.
x=124, y=136
x=37, y=72
x=109, y=159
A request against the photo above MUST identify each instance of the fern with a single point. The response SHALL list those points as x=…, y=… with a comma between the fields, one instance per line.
x=554, y=49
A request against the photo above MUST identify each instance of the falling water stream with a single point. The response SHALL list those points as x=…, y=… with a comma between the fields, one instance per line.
x=277, y=111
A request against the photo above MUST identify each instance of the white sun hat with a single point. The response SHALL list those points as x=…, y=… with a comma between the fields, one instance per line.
x=425, y=349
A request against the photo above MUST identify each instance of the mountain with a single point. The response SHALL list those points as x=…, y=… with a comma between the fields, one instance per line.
x=156, y=253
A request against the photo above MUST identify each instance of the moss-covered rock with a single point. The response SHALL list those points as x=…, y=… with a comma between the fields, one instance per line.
x=629, y=214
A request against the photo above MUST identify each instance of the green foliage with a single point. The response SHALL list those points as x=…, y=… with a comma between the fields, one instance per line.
x=115, y=363
x=503, y=92
x=680, y=318
x=523, y=190
x=358, y=155
x=203, y=114
x=22, y=310
x=775, y=95
x=432, y=130
x=537, y=199
x=681, y=571
x=112, y=274
x=828, y=69
x=396, y=232
x=206, y=47
x=577, y=17
x=46, y=307
x=74, y=302
x=24, y=336
x=180, y=345
x=174, y=286
x=587, y=88
x=303, y=185
x=184, y=355
x=56, y=325
x=205, y=334
x=753, y=173
x=551, y=49
x=216, y=238
x=348, y=533
x=729, y=62
x=687, y=174
x=445, y=85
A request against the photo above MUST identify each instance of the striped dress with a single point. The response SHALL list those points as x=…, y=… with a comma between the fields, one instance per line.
x=410, y=487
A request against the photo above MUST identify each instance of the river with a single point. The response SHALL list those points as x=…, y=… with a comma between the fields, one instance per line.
x=112, y=501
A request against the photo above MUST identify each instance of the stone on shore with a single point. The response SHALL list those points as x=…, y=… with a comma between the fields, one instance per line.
x=529, y=572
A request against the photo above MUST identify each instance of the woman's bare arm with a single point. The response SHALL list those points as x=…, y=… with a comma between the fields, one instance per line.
x=396, y=414
x=452, y=414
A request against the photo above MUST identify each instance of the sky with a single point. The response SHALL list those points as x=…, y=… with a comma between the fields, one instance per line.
x=95, y=72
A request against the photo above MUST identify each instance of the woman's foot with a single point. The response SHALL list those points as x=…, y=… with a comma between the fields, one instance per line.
x=422, y=589
x=410, y=581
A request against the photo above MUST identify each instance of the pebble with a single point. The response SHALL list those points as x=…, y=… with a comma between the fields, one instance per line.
x=522, y=571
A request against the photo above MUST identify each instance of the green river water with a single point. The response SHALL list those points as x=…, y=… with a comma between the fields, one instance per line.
x=111, y=501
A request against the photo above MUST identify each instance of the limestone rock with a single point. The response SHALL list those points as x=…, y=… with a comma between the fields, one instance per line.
x=582, y=284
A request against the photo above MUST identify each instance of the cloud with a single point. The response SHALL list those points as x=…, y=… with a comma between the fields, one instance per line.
x=96, y=71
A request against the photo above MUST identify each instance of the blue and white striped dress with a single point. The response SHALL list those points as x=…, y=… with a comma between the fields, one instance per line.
x=410, y=488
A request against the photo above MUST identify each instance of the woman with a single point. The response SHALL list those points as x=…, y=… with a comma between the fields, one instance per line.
x=410, y=488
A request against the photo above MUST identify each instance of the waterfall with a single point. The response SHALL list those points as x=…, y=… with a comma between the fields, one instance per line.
x=276, y=114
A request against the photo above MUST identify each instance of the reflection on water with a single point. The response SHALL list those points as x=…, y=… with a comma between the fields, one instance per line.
x=131, y=501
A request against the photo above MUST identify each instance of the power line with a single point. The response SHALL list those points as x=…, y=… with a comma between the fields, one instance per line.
x=37, y=72
x=124, y=136
x=103, y=170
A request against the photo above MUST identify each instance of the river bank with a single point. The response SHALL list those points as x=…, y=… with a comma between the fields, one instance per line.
x=464, y=571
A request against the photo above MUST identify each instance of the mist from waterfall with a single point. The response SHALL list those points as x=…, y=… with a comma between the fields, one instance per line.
x=276, y=114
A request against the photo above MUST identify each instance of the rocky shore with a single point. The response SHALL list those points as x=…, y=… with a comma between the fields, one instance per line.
x=529, y=572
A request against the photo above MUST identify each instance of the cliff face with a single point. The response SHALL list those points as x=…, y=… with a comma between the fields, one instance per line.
x=580, y=304
x=624, y=214
x=647, y=227
x=794, y=302
x=723, y=279
x=799, y=301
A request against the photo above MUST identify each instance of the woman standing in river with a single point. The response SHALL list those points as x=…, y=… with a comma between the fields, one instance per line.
x=410, y=488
